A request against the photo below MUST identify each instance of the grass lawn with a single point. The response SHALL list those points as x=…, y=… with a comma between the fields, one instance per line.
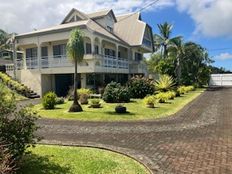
x=78, y=160
x=136, y=108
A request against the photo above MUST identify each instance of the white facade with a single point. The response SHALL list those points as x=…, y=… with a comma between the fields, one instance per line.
x=106, y=53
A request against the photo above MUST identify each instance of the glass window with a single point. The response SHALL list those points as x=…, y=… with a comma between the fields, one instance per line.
x=59, y=50
x=88, y=48
x=96, y=49
x=31, y=53
x=44, y=51
x=138, y=56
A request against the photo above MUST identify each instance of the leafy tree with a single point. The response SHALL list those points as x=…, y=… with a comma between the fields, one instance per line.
x=75, y=51
x=194, y=65
x=156, y=64
x=164, y=40
x=4, y=36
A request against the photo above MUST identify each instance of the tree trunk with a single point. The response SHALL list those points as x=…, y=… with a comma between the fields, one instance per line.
x=178, y=70
x=76, y=107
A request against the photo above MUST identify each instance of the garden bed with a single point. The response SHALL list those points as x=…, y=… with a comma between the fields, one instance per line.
x=137, y=110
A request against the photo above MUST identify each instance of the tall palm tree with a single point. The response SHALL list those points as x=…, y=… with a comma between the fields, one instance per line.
x=164, y=40
x=75, y=51
x=178, y=50
x=3, y=39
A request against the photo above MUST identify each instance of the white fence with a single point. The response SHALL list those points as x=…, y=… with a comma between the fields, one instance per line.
x=220, y=80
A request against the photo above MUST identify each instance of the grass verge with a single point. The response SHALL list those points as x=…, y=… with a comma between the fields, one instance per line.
x=78, y=160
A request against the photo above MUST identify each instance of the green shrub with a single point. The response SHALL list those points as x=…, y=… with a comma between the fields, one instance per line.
x=149, y=100
x=171, y=95
x=181, y=89
x=84, y=91
x=164, y=83
x=49, y=100
x=162, y=97
x=115, y=93
x=59, y=100
x=140, y=87
x=95, y=101
x=17, y=127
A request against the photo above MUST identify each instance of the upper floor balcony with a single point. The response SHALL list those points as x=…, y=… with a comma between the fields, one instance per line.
x=94, y=62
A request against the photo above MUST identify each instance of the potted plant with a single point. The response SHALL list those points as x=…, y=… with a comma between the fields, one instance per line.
x=120, y=109
x=149, y=101
x=95, y=103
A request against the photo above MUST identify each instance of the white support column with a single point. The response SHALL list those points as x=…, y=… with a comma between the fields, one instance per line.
x=117, y=59
x=83, y=80
x=38, y=56
x=92, y=46
x=24, y=59
x=100, y=47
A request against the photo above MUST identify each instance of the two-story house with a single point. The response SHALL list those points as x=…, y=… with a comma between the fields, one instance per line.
x=114, y=48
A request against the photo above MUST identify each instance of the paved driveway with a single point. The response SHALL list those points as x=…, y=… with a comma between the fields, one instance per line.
x=198, y=139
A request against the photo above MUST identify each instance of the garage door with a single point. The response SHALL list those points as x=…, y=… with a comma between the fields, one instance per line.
x=221, y=80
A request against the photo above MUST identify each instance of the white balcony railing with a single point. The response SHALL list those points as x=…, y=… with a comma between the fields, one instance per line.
x=62, y=61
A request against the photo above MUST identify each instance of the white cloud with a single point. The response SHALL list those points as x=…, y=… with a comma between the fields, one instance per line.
x=213, y=18
x=224, y=56
x=26, y=15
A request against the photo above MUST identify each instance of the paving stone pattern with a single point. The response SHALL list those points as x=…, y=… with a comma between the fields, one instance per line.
x=196, y=140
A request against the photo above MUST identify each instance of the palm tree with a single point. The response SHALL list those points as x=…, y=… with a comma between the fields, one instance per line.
x=178, y=49
x=164, y=40
x=3, y=39
x=75, y=51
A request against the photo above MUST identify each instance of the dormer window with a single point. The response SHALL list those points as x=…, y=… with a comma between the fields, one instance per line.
x=109, y=28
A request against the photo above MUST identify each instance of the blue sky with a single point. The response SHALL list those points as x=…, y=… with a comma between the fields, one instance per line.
x=185, y=26
x=207, y=22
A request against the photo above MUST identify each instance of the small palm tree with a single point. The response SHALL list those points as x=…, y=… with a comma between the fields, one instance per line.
x=164, y=40
x=178, y=49
x=164, y=83
x=75, y=51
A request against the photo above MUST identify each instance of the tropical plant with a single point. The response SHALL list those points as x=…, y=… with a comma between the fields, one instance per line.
x=49, y=100
x=75, y=51
x=177, y=49
x=83, y=95
x=164, y=40
x=149, y=101
x=140, y=87
x=171, y=95
x=162, y=97
x=164, y=83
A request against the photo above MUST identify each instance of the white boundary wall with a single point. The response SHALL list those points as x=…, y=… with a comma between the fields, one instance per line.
x=220, y=80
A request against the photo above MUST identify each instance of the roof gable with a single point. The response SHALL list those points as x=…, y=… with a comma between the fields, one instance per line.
x=76, y=14
x=103, y=13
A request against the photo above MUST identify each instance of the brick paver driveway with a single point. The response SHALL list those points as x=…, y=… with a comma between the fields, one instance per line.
x=198, y=139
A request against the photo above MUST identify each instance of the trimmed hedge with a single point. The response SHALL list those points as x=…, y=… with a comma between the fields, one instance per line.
x=115, y=93
x=140, y=87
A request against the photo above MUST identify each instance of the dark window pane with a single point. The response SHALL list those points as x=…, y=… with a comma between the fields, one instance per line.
x=44, y=51
x=88, y=48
